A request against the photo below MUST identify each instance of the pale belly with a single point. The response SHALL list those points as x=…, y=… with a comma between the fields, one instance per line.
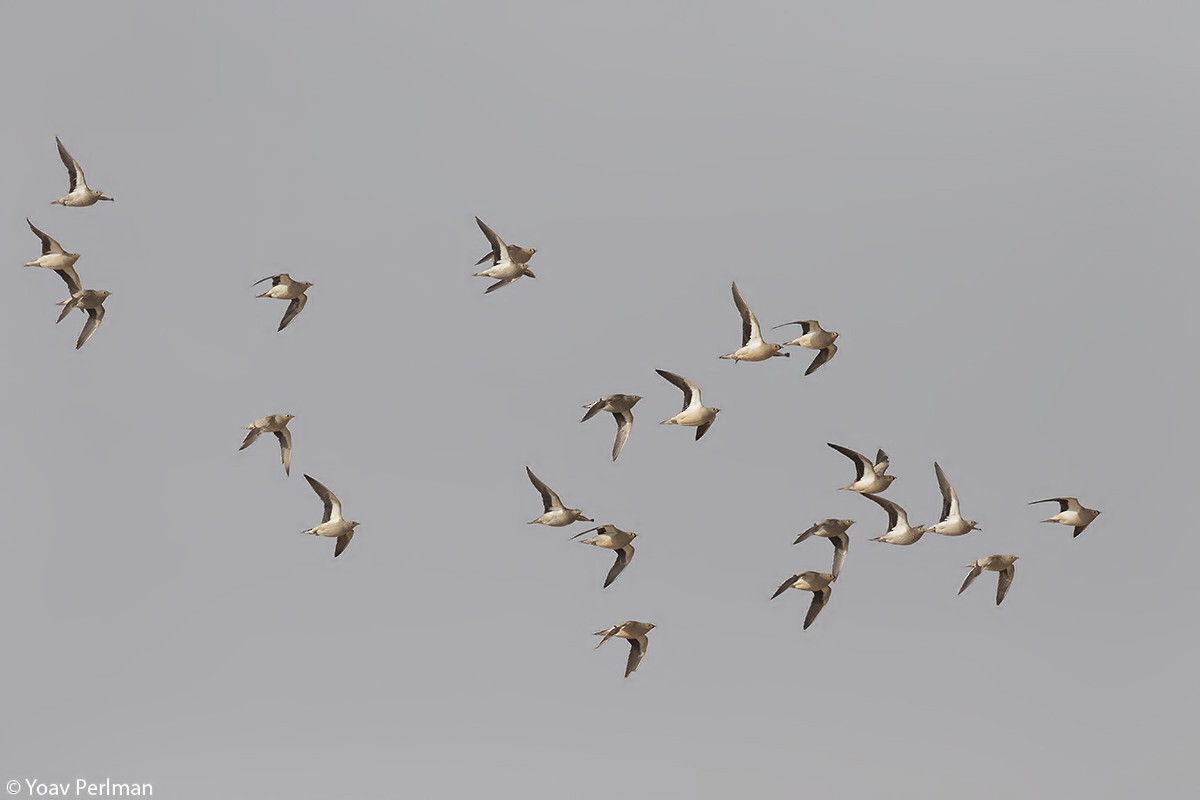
x=79, y=200
x=952, y=527
x=759, y=352
x=869, y=484
x=332, y=529
x=694, y=417
x=56, y=261
x=556, y=519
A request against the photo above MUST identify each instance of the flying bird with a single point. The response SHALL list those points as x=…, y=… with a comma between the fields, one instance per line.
x=284, y=288
x=951, y=522
x=835, y=531
x=633, y=631
x=55, y=258
x=519, y=255
x=694, y=414
x=554, y=513
x=1070, y=512
x=899, y=531
x=505, y=267
x=611, y=537
x=91, y=301
x=814, y=337
x=81, y=194
x=276, y=424
x=816, y=582
x=870, y=477
x=621, y=407
x=332, y=523
x=753, y=347
x=998, y=563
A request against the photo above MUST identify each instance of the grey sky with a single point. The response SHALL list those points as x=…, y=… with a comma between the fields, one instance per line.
x=918, y=176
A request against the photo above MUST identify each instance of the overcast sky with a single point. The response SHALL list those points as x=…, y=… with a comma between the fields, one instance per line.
x=994, y=203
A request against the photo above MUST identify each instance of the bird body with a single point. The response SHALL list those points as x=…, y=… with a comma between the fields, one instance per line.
x=814, y=337
x=333, y=524
x=633, y=631
x=1070, y=512
x=1002, y=564
x=555, y=514
x=54, y=257
x=276, y=424
x=835, y=531
x=90, y=301
x=506, y=266
x=284, y=288
x=753, y=347
x=899, y=530
x=621, y=407
x=81, y=194
x=819, y=583
x=869, y=475
x=694, y=414
x=951, y=522
x=611, y=537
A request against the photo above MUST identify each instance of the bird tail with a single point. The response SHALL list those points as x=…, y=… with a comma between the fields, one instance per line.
x=264, y=294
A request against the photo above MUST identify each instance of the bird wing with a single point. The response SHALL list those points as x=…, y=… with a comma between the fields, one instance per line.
x=807, y=533
x=823, y=357
x=73, y=168
x=624, y=420
x=607, y=633
x=1063, y=502
x=49, y=245
x=818, y=602
x=342, y=542
x=254, y=433
x=861, y=462
x=550, y=500
x=498, y=284
x=703, y=429
x=805, y=325
x=293, y=309
x=95, y=317
x=637, y=650
x=949, y=498
x=624, y=556
x=593, y=409
x=783, y=587
x=70, y=277
x=499, y=248
x=274, y=279
x=972, y=575
x=691, y=392
x=285, y=449
x=333, y=506
x=895, y=512
x=750, y=327
x=882, y=462
x=1006, y=578
x=841, y=544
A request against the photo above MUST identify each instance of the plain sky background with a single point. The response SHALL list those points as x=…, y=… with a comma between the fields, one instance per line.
x=994, y=203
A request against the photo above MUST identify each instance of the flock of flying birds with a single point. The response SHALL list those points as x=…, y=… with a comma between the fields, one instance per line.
x=508, y=264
